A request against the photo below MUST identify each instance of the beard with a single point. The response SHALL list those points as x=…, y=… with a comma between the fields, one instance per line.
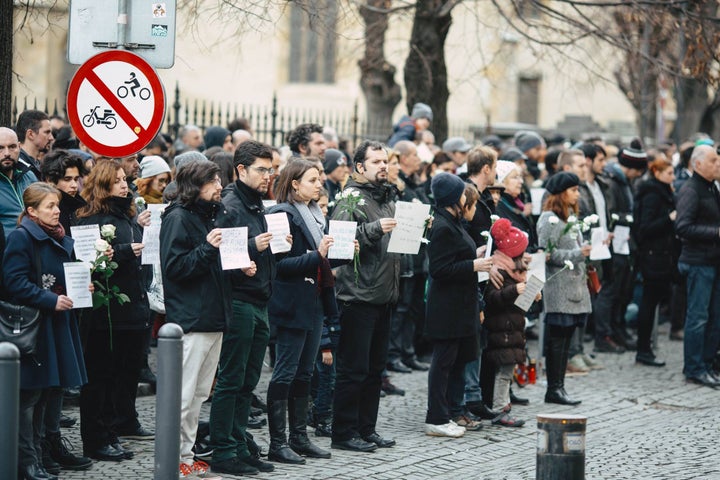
x=5, y=166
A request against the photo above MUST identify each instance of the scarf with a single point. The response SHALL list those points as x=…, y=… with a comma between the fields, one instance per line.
x=506, y=263
x=56, y=232
x=313, y=218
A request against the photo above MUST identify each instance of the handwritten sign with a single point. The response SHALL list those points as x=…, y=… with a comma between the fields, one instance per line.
x=407, y=235
x=77, y=284
x=85, y=237
x=620, y=240
x=280, y=228
x=234, y=248
x=343, y=234
x=536, y=196
x=156, y=210
x=598, y=249
x=532, y=288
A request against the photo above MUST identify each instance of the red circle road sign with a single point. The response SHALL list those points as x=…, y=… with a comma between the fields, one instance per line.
x=116, y=103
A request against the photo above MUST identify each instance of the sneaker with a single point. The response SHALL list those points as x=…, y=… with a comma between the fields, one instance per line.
x=138, y=434
x=468, y=423
x=202, y=470
x=450, y=429
x=591, y=362
x=505, y=420
x=577, y=365
x=186, y=471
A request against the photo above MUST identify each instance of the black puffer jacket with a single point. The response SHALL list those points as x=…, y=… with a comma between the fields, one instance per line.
x=197, y=291
x=131, y=277
x=654, y=232
x=504, y=324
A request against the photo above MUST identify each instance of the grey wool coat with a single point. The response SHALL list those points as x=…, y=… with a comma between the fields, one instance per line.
x=567, y=292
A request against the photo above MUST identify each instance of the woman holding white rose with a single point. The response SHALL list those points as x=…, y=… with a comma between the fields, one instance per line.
x=567, y=299
x=114, y=335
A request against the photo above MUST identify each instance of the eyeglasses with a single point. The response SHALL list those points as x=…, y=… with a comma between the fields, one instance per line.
x=263, y=170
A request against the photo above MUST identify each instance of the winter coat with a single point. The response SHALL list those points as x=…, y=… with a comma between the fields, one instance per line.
x=69, y=205
x=197, y=290
x=567, y=291
x=379, y=279
x=245, y=209
x=132, y=278
x=11, y=192
x=698, y=222
x=298, y=300
x=507, y=208
x=504, y=323
x=452, y=299
x=59, y=351
x=481, y=222
x=654, y=232
x=618, y=195
x=403, y=130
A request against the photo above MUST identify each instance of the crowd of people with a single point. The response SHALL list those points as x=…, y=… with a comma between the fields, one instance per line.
x=335, y=329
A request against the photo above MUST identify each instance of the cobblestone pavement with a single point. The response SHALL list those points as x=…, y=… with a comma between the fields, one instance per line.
x=642, y=423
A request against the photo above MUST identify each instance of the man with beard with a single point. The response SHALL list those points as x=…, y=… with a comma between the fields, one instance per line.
x=366, y=302
x=35, y=136
x=248, y=333
x=13, y=180
x=307, y=141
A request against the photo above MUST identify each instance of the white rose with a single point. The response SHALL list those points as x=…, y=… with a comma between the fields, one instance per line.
x=107, y=230
x=572, y=219
x=615, y=216
x=101, y=245
x=485, y=234
x=569, y=265
x=553, y=220
x=629, y=218
x=139, y=201
x=361, y=202
x=494, y=218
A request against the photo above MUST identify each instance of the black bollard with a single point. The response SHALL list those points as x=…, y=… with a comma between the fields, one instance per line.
x=560, y=447
x=9, y=409
x=167, y=402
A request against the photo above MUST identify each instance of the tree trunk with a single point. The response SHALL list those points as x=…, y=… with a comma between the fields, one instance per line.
x=425, y=70
x=6, y=40
x=377, y=76
x=692, y=100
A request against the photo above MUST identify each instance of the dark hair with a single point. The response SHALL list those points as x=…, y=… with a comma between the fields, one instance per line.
x=361, y=151
x=301, y=136
x=239, y=124
x=224, y=161
x=247, y=152
x=440, y=158
x=57, y=162
x=685, y=156
x=283, y=191
x=192, y=178
x=551, y=159
x=29, y=120
x=471, y=196
x=158, y=141
x=591, y=150
x=478, y=157
x=64, y=138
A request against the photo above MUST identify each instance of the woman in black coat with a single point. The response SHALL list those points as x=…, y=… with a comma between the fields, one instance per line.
x=657, y=250
x=296, y=309
x=453, y=314
x=107, y=401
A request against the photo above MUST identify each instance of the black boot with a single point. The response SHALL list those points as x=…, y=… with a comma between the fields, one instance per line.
x=299, y=441
x=34, y=472
x=557, y=356
x=60, y=448
x=280, y=451
x=48, y=463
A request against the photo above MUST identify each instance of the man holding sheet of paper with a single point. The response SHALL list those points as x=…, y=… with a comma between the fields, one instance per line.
x=366, y=303
x=197, y=295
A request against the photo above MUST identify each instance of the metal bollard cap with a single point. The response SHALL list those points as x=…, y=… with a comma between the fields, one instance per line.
x=8, y=351
x=170, y=330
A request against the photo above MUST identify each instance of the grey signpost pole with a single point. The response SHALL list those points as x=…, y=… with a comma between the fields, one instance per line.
x=167, y=402
x=9, y=409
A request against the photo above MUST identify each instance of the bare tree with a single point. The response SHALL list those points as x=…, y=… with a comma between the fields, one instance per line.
x=6, y=40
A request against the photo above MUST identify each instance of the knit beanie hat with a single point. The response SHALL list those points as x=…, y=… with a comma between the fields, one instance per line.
x=512, y=154
x=446, y=189
x=503, y=169
x=188, y=157
x=153, y=165
x=527, y=140
x=333, y=159
x=215, y=137
x=633, y=156
x=561, y=181
x=509, y=240
x=422, y=110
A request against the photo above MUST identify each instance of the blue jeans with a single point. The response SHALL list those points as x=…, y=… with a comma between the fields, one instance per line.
x=702, y=323
x=326, y=385
x=472, y=382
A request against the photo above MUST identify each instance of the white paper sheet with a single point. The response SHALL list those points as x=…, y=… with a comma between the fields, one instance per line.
x=269, y=203
x=77, y=283
x=599, y=250
x=620, y=240
x=407, y=235
x=485, y=276
x=537, y=265
x=156, y=210
x=343, y=234
x=533, y=287
x=151, y=239
x=536, y=196
x=234, y=248
x=85, y=237
x=280, y=228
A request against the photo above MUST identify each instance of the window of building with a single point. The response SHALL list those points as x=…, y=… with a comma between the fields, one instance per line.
x=528, y=99
x=313, y=42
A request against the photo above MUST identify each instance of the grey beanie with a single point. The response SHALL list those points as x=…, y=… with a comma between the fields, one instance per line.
x=527, y=140
x=153, y=165
x=422, y=110
x=188, y=157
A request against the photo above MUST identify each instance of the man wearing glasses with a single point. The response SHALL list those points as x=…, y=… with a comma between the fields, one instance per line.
x=247, y=335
